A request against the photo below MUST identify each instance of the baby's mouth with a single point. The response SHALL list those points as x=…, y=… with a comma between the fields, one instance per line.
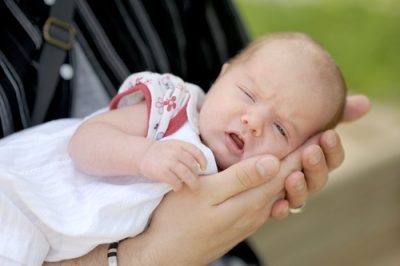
x=237, y=140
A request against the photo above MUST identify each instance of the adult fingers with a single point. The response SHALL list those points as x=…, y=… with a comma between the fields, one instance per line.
x=356, y=107
x=280, y=209
x=332, y=148
x=293, y=162
x=240, y=177
x=296, y=189
x=315, y=168
x=250, y=209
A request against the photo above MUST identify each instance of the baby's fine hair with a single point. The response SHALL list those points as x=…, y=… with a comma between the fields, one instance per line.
x=332, y=70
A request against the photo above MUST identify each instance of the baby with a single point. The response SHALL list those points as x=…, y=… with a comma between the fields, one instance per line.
x=270, y=98
x=273, y=96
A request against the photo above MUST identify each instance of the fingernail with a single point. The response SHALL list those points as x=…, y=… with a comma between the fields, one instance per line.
x=315, y=158
x=331, y=140
x=198, y=168
x=266, y=167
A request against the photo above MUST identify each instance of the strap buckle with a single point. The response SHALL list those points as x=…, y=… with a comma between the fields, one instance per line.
x=55, y=22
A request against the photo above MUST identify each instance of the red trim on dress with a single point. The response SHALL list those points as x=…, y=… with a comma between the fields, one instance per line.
x=147, y=96
x=177, y=121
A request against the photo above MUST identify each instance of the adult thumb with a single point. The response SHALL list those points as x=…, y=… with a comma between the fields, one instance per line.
x=240, y=177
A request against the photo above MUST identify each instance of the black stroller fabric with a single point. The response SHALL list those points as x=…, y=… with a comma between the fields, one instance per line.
x=189, y=38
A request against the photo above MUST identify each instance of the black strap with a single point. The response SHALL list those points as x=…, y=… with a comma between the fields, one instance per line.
x=59, y=36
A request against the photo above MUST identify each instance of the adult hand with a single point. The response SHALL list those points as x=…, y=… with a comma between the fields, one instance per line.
x=196, y=227
x=320, y=155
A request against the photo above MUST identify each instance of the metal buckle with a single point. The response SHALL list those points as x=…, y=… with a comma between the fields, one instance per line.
x=52, y=21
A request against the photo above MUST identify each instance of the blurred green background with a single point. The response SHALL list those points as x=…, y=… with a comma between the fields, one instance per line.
x=362, y=35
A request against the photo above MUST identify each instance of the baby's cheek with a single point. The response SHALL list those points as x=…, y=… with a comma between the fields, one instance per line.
x=279, y=149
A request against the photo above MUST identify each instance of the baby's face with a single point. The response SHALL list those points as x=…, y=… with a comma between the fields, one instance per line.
x=270, y=104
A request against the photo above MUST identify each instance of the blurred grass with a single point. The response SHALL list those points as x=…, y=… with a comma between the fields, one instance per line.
x=362, y=36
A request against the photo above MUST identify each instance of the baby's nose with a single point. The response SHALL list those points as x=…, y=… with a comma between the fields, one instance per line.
x=254, y=125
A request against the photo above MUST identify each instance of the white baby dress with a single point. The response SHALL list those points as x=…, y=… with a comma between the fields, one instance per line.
x=50, y=211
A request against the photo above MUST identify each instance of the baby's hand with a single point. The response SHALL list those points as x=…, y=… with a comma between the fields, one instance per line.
x=173, y=162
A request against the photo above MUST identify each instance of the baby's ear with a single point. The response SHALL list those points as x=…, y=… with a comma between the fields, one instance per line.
x=224, y=68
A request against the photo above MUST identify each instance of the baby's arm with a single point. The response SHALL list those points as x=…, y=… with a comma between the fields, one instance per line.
x=114, y=143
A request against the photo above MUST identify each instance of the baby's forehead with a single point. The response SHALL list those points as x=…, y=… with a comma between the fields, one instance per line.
x=301, y=56
x=316, y=68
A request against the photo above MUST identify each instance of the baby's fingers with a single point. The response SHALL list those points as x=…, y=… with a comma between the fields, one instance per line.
x=185, y=175
x=198, y=155
x=172, y=179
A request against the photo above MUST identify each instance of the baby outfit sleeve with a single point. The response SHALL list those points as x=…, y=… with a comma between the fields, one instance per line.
x=166, y=98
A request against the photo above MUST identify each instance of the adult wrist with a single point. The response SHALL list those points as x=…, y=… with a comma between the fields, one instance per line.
x=135, y=251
